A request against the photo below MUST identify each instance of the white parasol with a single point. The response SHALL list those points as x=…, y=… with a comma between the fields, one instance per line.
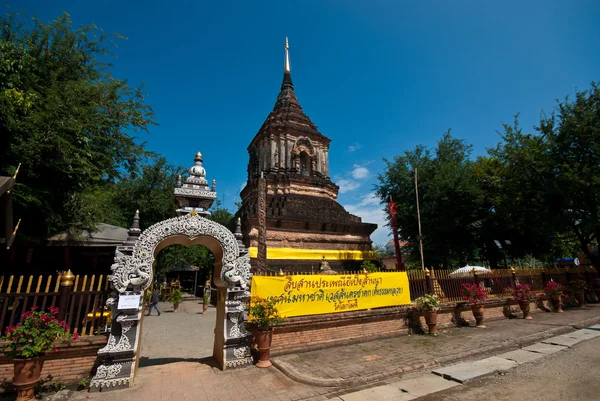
x=467, y=270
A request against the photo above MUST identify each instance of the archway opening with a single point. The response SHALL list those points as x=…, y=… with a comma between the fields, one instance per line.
x=183, y=269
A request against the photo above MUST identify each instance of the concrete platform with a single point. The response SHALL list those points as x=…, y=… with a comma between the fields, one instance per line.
x=425, y=384
x=546, y=349
x=564, y=340
x=592, y=333
x=463, y=372
x=388, y=392
x=496, y=364
x=521, y=356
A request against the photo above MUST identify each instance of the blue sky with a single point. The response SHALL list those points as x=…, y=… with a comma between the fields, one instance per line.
x=377, y=77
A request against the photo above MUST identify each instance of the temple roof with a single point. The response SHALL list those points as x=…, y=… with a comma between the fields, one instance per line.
x=287, y=113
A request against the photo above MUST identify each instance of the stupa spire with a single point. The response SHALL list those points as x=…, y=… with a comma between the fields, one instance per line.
x=286, y=67
x=287, y=76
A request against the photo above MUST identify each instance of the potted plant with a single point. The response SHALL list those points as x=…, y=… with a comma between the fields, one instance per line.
x=28, y=342
x=578, y=287
x=428, y=304
x=262, y=315
x=476, y=296
x=554, y=292
x=176, y=297
x=205, y=300
x=523, y=295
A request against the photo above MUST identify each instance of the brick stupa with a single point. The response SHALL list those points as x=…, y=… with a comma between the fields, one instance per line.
x=305, y=222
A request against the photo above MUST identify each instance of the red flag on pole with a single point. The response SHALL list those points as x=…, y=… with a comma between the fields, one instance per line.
x=393, y=213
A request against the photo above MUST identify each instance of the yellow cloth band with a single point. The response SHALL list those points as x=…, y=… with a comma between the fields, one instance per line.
x=313, y=254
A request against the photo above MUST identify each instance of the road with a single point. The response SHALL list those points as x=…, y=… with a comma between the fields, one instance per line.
x=567, y=375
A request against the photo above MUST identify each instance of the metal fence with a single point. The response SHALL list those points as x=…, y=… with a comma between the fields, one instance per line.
x=81, y=300
x=446, y=284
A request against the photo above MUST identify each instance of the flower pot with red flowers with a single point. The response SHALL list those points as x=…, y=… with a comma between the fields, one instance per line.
x=578, y=288
x=428, y=305
x=27, y=343
x=262, y=315
x=523, y=295
x=554, y=292
x=476, y=296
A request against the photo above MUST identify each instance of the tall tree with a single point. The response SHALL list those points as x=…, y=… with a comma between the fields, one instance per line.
x=450, y=201
x=558, y=180
x=149, y=190
x=64, y=117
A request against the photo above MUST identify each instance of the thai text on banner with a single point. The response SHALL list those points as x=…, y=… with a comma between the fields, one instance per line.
x=300, y=295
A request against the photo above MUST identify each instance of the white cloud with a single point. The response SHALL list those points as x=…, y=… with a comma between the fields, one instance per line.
x=354, y=148
x=371, y=211
x=360, y=172
x=347, y=185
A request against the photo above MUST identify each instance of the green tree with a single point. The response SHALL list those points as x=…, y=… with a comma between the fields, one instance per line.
x=554, y=176
x=175, y=256
x=149, y=190
x=65, y=118
x=451, y=203
x=221, y=215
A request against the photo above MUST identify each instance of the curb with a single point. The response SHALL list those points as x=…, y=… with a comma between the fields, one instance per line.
x=293, y=374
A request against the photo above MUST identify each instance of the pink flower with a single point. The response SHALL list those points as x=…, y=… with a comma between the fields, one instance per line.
x=34, y=308
x=55, y=350
x=75, y=336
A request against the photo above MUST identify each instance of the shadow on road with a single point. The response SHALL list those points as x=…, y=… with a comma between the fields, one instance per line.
x=145, y=361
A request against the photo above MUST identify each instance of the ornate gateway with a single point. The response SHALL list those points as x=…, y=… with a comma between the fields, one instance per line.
x=132, y=274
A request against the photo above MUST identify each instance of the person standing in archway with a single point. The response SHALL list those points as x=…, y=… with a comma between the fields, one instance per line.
x=154, y=302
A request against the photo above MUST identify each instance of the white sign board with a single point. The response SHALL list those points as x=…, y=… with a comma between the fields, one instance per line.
x=129, y=301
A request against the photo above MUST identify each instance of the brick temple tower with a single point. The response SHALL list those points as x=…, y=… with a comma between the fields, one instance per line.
x=304, y=220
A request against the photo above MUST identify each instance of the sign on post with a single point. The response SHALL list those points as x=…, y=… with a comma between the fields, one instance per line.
x=129, y=301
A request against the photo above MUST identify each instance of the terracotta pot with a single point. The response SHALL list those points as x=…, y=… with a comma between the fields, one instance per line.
x=580, y=297
x=175, y=307
x=204, y=308
x=431, y=320
x=556, y=304
x=263, y=340
x=478, y=314
x=27, y=376
x=524, y=305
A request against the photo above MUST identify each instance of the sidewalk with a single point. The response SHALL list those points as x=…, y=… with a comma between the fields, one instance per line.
x=323, y=374
x=356, y=364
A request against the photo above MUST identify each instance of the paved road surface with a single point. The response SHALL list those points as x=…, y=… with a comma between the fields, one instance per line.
x=567, y=375
x=187, y=335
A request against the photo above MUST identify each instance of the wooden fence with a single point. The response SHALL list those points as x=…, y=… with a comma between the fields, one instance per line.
x=81, y=300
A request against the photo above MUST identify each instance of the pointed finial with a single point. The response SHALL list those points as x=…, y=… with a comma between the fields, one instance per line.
x=281, y=273
x=287, y=56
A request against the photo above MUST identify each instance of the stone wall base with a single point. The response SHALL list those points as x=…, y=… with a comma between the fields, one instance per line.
x=305, y=333
x=72, y=363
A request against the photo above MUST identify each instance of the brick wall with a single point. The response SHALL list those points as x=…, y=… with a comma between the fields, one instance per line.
x=73, y=362
x=319, y=331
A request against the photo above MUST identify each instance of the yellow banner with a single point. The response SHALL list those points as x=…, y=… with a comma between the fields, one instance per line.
x=318, y=294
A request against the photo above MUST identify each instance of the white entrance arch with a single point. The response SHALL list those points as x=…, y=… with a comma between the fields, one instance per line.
x=132, y=274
